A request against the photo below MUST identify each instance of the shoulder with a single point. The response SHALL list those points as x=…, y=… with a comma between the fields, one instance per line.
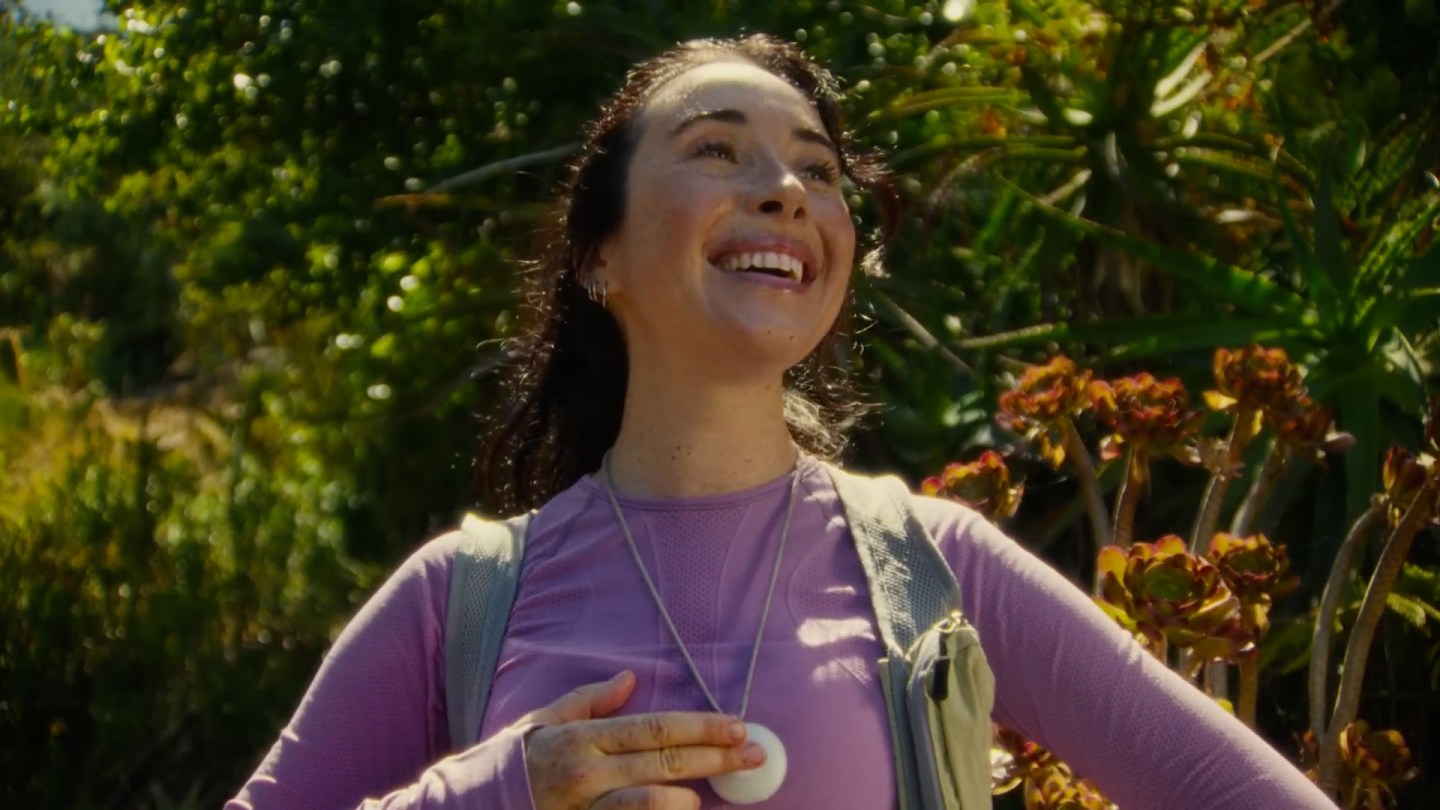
x=964, y=537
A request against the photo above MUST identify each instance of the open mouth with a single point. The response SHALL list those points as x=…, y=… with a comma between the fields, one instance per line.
x=778, y=265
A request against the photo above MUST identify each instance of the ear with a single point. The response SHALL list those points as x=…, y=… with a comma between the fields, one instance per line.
x=595, y=265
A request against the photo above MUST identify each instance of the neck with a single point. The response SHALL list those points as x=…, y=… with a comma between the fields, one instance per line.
x=686, y=436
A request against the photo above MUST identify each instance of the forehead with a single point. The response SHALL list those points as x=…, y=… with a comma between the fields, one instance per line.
x=727, y=86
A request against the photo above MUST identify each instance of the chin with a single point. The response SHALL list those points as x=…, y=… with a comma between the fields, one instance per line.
x=769, y=350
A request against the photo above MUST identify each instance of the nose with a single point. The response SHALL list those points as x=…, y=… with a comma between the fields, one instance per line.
x=779, y=193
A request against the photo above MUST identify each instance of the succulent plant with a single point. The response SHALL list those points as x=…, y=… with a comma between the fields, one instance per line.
x=1405, y=476
x=982, y=484
x=1049, y=783
x=1162, y=592
x=1148, y=414
x=1059, y=788
x=1254, y=570
x=1045, y=396
x=1376, y=760
x=1256, y=378
x=1306, y=429
x=1015, y=759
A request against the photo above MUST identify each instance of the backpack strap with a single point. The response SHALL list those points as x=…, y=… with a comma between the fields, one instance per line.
x=483, y=579
x=912, y=590
x=911, y=584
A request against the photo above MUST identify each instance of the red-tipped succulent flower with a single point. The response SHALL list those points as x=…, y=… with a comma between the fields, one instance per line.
x=1256, y=378
x=1150, y=415
x=1059, y=788
x=1377, y=761
x=982, y=484
x=1407, y=476
x=1045, y=397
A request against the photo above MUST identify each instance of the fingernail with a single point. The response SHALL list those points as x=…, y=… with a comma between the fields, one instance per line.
x=736, y=731
x=754, y=754
x=622, y=677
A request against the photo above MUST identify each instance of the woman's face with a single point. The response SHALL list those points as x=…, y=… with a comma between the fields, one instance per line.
x=736, y=245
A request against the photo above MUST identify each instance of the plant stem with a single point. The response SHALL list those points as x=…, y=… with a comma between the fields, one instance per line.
x=1276, y=462
x=1218, y=676
x=1324, y=632
x=1128, y=498
x=1249, y=690
x=1182, y=665
x=1089, y=483
x=1372, y=608
x=1240, y=435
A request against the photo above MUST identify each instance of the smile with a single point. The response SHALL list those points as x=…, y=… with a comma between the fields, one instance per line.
x=780, y=260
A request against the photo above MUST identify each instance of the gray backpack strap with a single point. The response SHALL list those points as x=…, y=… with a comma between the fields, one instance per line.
x=911, y=585
x=938, y=688
x=483, y=579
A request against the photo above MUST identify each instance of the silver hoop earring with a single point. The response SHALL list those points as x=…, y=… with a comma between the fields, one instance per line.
x=600, y=293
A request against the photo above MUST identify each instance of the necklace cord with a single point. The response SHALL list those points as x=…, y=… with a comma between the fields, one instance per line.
x=665, y=614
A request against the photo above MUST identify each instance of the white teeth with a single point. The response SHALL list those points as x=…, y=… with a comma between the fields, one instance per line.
x=792, y=266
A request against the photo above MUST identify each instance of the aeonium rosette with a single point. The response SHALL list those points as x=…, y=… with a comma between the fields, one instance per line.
x=1044, y=398
x=1153, y=417
x=1306, y=429
x=983, y=485
x=1013, y=759
x=1254, y=378
x=1058, y=788
x=1167, y=595
x=1254, y=570
x=1377, y=760
x=1407, y=476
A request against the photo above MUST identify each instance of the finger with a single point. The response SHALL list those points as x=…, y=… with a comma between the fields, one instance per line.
x=649, y=797
x=655, y=730
x=675, y=764
x=588, y=701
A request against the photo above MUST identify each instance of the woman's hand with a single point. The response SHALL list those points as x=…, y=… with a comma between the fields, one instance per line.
x=580, y=761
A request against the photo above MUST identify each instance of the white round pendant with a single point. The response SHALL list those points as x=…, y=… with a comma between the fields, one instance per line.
x=756, y=784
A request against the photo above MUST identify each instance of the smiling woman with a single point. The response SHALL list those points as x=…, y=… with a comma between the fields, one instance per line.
x=700, y=604
x=714, y=155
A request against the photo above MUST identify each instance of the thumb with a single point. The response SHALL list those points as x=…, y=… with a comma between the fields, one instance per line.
x=588, y=702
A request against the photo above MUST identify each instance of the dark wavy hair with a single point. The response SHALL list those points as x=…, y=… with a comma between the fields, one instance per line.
x=567, y=384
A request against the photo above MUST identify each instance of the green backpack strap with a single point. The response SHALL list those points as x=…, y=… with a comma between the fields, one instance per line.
x=938, y=687
x=483, y=579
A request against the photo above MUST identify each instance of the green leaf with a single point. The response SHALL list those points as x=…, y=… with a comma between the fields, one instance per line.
x=999, y=217
x=1327, y=276
x=1147, y=335
x=1384, y=259
x=1411, y=610
x=1205, y=158
x=1167, y=84
x=1228, y=284
x=952, y=96
x=1417, y=580
x=1424, y=270
x=1359, y=414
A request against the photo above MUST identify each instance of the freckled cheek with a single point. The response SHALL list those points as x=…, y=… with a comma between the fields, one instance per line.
x=676, y=220
x=839, y=230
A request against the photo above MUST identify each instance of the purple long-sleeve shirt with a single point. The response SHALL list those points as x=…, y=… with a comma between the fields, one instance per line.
x=372, y=729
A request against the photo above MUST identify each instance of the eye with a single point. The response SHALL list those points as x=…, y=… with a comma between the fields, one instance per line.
x=716, y=149
x=825, y=172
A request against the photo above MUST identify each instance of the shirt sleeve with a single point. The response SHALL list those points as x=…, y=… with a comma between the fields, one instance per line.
x=371, y=730
x=1070, y=679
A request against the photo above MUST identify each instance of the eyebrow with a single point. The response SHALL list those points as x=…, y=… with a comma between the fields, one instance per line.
x=729, y=116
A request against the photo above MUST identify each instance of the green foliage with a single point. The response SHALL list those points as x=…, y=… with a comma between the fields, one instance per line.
x=240, y=351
